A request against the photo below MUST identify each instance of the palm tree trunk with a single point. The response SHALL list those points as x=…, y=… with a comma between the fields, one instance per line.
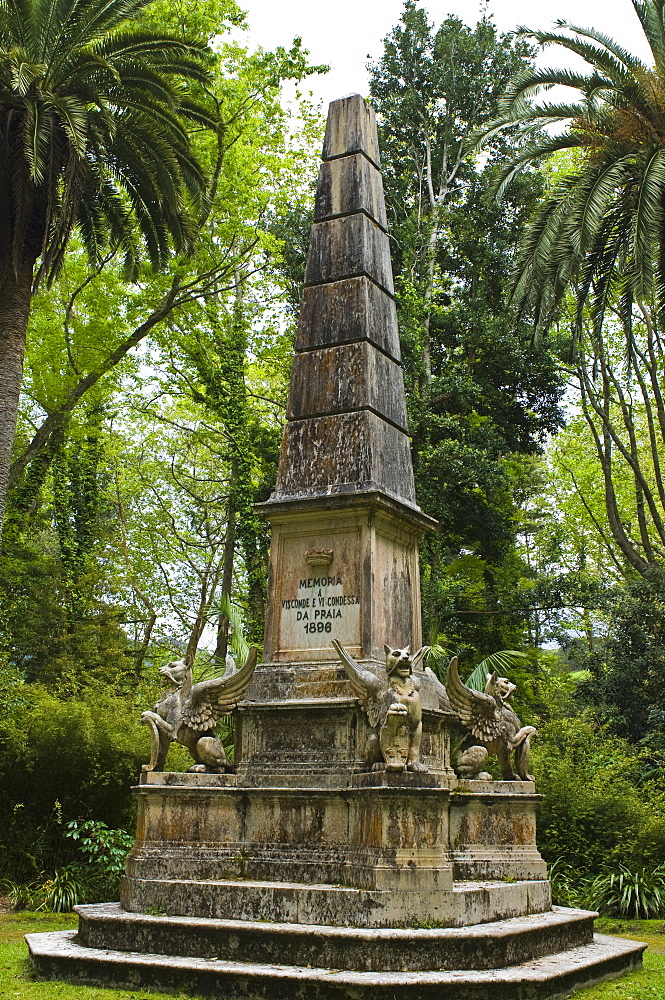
x=15, y=295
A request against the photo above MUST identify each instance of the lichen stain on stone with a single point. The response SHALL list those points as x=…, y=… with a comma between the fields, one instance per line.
x=370, y=828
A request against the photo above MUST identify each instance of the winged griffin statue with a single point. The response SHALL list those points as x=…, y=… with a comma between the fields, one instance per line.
x=392, y=703
x=188, y=712
x=491, y=720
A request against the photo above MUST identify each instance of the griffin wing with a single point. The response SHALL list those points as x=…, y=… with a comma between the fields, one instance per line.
x=367, y=687
x=442, y=694
x=212, y=699
x=417, y=658
x=477, y=711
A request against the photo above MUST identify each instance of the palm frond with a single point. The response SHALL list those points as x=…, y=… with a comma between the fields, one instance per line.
x=601, y=228
x=600, y=57
x=101, y=118
x=499, y=662
x=238, y=643
x=648, y=223
x=629, y=60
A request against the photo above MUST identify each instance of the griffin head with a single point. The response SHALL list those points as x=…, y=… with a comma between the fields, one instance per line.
x=174, y=672
x=499, y=688
x=398, y=661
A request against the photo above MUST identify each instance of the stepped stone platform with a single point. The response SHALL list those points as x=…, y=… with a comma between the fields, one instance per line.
x=486, y=946
x=61, y=955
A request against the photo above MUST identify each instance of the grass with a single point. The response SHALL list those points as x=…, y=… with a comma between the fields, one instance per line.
x=649, y=982
x=16, y=980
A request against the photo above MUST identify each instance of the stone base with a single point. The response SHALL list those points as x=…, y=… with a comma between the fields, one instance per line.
x=334, y=905
x=392, y=835
x=489, y=946
x=320, y=742
x=61, y=955
x=367, y=838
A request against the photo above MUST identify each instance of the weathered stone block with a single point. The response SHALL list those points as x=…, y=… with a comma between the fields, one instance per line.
x=308, y=743
x=348, y=310
x=501, y=943
x=351, y=128
x=344, y=453
x=350, y=184
x=371, y=838
x=59, y=956
x=348, y=247
x=493, y=830
x=467, y=904
x=345, y=378
x=322, y=743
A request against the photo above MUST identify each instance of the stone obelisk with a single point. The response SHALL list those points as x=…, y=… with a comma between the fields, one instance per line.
x=344, y=559
x=309, y=872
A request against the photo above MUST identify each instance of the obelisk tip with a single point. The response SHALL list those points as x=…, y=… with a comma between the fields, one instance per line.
x=351, y=128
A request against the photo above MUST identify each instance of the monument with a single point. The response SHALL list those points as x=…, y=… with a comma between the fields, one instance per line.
x=342, y=855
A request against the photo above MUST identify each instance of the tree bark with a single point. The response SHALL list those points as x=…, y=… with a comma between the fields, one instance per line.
x=15, y=296
x=222, y=644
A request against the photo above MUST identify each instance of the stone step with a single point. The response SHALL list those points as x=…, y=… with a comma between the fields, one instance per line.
x=340, y=906
x=483, y=946
x=59, y=956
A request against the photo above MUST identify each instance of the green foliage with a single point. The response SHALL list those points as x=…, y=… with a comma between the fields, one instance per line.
x=600, y=808
x=624, y=892
x=61, y=760
x=123, y=465
x=437, y=656
x=237, y=642
x=67, y=888
x=599, y=230
x=96, y=122
x=59, y=625
x=629, y=893
x=23, y=895
x=93, y=876
x=627, y=683
x=500, y=662
x=478, y=395
x=567, y=885
x=107, y=849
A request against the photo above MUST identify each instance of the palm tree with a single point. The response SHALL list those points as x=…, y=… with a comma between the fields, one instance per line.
x=601, y=229
x=94, y=118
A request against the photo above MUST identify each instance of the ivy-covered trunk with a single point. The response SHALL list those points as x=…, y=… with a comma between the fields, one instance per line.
x=15, y=295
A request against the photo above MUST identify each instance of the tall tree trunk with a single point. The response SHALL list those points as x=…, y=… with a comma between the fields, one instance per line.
x=222, y=645
x=15, y=295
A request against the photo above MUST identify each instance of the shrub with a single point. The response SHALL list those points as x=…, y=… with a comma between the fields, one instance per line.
x=637, y=893
x=61, y=761
x=105, y=851
x=94, y=876
x=567, y=884
x=68, y=887
x=598, y=810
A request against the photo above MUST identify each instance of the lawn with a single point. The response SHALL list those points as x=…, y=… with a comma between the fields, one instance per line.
x=649, y=982
x=16, y=980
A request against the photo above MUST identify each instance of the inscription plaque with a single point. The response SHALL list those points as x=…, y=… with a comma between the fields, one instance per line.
x=319, y=602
